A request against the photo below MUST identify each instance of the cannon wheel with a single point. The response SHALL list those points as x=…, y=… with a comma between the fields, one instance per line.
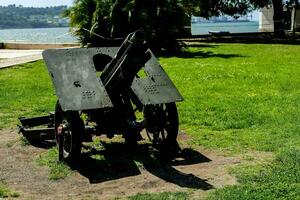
x=68, y=130
x=162, y=126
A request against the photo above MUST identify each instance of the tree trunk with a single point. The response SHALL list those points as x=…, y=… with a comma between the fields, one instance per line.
x=278, y=17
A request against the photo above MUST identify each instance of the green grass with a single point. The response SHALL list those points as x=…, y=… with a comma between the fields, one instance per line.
x=239, y=96
x=278, y=180
x=57, y=170
x=24, y=142
x=6, y=193
x=160, y=196
x=243, y=97
x=25, y=90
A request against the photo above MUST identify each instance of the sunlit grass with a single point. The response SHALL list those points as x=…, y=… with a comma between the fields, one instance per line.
x=25, y=90
x=239, y=96
x=278, y=180
x=160, y=196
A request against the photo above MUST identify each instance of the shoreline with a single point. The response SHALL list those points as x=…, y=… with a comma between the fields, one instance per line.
x=19, y=28
x=36, y=46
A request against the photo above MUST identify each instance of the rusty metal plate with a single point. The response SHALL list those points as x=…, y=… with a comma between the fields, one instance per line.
x=74, y=77
x=156, y=87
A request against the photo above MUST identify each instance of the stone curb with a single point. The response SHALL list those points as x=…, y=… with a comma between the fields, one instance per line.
x=9, y=62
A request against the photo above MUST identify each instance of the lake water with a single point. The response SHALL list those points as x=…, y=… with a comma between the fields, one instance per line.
x=62, y=35
x=237, y=27
x=37, y=35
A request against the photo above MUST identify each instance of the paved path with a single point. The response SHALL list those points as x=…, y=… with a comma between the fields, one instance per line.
x=10, y=57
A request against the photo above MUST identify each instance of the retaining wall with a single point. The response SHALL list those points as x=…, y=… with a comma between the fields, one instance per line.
x=28, y=46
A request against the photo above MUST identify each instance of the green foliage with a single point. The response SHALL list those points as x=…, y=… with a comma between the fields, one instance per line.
x=58, y=170
x=234, y=8
x=160, y=196
x=279, y=180
x=88, y=17
x=162, y=20
x=211, y=8
x=291, y=3
x=237, y=8
x=24, y=17
x=6, y=193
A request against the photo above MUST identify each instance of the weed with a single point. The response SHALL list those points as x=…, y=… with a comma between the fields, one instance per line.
x=160, y=196
x=58, y=170
x=5, y=192
x=24, y=141
x=278, y=180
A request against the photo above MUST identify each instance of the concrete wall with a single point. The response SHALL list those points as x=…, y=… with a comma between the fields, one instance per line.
x=296, y=19
x=266, y=23
x=35, y=46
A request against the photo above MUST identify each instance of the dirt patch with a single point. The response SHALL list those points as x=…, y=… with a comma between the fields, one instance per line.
x=118, y=175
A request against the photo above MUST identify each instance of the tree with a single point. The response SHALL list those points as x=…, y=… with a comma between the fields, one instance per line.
x=88, y=17
x=13, y=16
x=162, y=20
x=238, y=8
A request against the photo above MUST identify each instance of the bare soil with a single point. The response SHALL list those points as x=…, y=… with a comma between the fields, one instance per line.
x=197, y=172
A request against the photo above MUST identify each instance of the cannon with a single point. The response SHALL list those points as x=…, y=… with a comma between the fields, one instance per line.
x=108, y=91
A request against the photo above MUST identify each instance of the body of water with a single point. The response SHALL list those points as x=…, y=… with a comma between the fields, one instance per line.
x=37, y=35
x=236, y=27
x=62, y=35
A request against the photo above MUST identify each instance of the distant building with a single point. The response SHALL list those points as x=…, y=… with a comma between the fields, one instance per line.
x=291, y=19
x=295, y=25
x=266, y=23
x=219, y=19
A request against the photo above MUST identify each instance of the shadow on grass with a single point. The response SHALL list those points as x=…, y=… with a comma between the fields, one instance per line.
x=245, y=38
x=114, y=161
x=198, y=45
x=202, y=54
x=206, y=54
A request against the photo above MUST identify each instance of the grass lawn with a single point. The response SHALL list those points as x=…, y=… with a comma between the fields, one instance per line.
x=160, y=196
x=238, y=98
x=25, y=90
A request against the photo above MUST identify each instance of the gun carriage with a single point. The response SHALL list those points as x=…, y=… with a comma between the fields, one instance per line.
x=108, y=90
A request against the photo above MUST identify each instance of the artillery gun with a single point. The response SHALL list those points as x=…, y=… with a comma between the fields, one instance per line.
x=108, y=90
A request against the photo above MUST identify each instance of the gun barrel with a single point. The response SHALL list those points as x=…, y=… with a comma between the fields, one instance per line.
x=131, y=57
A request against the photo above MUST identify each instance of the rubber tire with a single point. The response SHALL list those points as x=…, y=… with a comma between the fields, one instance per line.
x=170, y=144
x=76, y=127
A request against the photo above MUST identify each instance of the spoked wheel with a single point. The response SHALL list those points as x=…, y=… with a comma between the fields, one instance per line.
x=69, y=129
x=162, y=126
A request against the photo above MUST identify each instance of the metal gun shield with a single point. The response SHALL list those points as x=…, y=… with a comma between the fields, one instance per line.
x=73, y=74
x=156, y=87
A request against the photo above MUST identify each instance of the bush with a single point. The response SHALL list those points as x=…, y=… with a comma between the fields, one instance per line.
x=162, y=21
